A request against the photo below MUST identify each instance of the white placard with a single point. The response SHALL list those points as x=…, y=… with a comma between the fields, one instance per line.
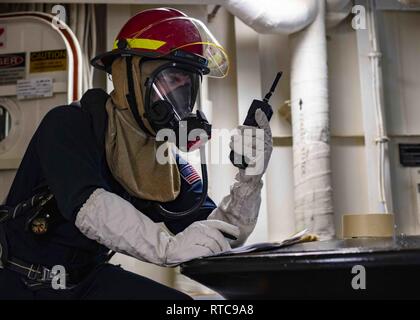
x=34, y=88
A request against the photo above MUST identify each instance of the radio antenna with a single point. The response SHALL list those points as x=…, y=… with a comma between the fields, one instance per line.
x=273, y=87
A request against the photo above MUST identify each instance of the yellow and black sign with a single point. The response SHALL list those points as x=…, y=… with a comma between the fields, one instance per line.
x=48, y=61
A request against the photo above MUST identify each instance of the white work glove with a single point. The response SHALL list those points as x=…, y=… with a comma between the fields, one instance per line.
x=255, y=144
x=242, y=205
x=117, y=224
x=201, y=238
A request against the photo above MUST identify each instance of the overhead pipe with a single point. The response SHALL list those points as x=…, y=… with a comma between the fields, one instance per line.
x=337, y=11
x=278, y=16
x=268, y=16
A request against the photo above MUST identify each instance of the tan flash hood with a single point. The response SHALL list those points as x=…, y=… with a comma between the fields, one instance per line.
x=130, y=152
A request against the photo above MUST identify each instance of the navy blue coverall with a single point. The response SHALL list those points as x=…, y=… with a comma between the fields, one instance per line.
x=67, y=153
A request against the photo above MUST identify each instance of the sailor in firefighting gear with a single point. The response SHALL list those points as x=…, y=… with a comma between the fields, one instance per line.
x=97, y=158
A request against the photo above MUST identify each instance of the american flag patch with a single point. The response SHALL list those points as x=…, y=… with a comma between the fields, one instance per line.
x=189, y=174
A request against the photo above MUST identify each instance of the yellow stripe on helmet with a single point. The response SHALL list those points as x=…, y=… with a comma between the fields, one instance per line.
x=142, y=44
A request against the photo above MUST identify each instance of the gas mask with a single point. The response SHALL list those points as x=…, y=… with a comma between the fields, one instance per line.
x=170, y=94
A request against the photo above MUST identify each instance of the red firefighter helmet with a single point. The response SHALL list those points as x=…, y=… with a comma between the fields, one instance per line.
x=170, y=34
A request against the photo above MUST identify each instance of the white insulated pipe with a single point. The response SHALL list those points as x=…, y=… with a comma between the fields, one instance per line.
x=277, y=16
x=311, y=134
x=273, y=16
x=337, y=11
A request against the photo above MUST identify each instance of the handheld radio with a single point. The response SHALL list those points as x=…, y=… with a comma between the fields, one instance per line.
x=238, y=160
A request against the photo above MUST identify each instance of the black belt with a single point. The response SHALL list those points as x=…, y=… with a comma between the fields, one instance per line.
x=34, y=272
x=39, y=276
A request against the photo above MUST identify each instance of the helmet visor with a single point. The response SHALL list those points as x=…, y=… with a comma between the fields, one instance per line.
x=183, y=34
x=178, y=87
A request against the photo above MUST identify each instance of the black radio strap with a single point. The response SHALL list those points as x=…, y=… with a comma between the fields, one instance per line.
x=12, y=212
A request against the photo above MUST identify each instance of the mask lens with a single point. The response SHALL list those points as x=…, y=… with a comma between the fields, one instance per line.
x=178, y=87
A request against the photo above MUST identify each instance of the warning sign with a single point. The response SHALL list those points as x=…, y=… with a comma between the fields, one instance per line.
x=48, y=61
x=12, y=67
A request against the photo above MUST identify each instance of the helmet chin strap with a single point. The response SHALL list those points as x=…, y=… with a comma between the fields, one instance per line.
x=181, y=214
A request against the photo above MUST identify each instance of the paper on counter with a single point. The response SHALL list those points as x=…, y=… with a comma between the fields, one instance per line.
x=265, y=246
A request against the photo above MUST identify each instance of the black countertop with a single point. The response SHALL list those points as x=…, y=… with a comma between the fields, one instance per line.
x=321, y=269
